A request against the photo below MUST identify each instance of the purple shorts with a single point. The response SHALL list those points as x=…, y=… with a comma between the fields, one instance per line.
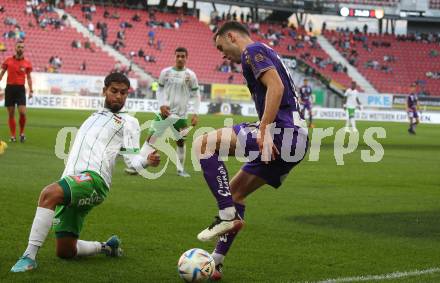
x=306, y=105
x=292, y=143
x=413, y=114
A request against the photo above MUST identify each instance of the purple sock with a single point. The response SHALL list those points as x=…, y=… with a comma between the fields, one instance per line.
x=216, y=175
x=225, y=241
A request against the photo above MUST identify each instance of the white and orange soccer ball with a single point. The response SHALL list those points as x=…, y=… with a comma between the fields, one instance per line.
x=3, y=146
x=195, y=265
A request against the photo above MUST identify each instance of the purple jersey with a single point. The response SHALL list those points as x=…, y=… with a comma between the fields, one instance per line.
x=256, y=59
x=306, y=93
x=412, y=101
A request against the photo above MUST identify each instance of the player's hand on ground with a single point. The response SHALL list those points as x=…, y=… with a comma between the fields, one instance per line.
x=165, y=111
x=194, y=120
x=153, y=159
x=266, y=146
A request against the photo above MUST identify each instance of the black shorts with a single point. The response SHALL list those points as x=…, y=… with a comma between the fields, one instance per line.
x=15, y=95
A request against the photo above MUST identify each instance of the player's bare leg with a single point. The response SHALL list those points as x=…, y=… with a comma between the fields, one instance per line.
x=311, y=125
x=69, y=247
x=242, y=185
x=12, y=124
x=22, y=121
x=209, y=148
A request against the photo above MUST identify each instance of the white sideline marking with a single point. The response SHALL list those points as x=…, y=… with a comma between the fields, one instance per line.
x=388, y=276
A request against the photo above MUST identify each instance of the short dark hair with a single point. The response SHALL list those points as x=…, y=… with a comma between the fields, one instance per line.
x=234, y=26
x=116, y=78
x=181, y=49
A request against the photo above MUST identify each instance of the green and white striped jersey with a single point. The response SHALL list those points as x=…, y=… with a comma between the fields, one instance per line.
x=179, y=89
x=100, y=139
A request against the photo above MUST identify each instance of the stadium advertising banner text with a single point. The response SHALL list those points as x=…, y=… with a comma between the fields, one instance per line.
x=376, y=100
x=230, y=92
x=245, y=109
x=48, y=83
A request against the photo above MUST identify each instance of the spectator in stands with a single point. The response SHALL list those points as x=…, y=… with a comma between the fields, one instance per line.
x=117, y=44
x=324, y=26
x=76, y=44
x=231, y=79
x=433, y=75
x=310, y=25
x=120, y=35
x=176, y=25
x=28, y=9
x=151, y=37
x=115, y=15
x=433, y=53
x=225, y=67
x=125, y=24
x=106, y=14
x=141, y=53
x=389, y=58
x=136, y=18
x=150, y=58
x=56, y=63
x=83, y=66
x=365, y=29
x=386, y=69
x=88, y=46
x=104, y=32
x=152, y=14
x=91, y=27
x=9, y=21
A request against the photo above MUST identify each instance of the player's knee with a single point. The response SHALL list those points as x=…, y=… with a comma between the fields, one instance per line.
x=50, y=197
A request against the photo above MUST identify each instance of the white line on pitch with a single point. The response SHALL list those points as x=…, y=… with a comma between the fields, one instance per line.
x=388, y=276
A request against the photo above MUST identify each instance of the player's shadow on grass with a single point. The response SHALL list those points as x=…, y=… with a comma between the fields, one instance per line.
x=424, y=224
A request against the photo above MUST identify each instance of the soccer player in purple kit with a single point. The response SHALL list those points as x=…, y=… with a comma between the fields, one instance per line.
x=269, y=144
x=412, y=106
x=306, y=101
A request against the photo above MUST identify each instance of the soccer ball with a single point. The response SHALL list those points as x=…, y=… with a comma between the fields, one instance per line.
x=195, y=265
x=3, y=146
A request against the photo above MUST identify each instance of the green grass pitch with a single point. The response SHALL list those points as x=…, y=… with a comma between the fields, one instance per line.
x=326, y=221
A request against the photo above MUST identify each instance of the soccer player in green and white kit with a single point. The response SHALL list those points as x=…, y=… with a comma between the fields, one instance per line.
x=87, y=178
x=351, y=103
x=178, y=89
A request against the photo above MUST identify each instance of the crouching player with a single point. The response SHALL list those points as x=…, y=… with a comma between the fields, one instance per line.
x=87, y=178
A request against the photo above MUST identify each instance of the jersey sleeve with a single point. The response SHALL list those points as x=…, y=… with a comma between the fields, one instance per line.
x=195, y=93
x=5, y=64
x=161, y=95
x=29, y=68
x=258, y=60
x=130, y=149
